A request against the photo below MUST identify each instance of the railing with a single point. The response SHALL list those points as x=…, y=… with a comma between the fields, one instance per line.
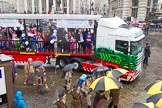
x=41, y=46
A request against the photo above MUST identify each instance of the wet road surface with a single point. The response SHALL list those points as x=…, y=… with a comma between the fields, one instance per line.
x=132, y=91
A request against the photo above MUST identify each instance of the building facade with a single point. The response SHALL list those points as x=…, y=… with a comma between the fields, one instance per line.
x=140, y=9
x=46, y=6
x=102, y=7
x=159, y=9
x=87, y=6
x=7, y=6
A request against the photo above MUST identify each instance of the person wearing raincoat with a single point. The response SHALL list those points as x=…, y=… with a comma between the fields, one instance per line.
x=61, y=101
x=19, y=101
x=114, y=95
x=99, y=98
x=86, y=90
x=68, y=79
x=77, y=97
x=29, y=72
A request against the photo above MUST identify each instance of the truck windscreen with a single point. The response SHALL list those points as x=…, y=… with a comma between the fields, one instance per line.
x=136, y=47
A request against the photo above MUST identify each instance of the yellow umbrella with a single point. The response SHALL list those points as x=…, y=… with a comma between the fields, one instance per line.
x=117, y=72
x=144, y=105
x=154, y=88
x=156, y=99
x=105, y=83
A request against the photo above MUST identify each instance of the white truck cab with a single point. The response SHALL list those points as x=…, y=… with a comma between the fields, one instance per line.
x=121, y=44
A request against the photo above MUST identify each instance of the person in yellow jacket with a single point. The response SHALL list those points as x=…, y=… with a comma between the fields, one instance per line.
x=29, y=72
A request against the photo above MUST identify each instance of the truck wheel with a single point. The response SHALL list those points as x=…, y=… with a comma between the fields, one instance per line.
x=62, y=62
x=78, y=65
x=78, y=62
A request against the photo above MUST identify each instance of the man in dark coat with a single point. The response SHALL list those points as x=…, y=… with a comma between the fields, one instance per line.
x=147, y=53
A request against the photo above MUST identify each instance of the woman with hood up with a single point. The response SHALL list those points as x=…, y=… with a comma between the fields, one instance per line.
x=19, y=101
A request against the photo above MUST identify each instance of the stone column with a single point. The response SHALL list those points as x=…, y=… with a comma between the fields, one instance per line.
x=142, y=9
x=61, y=5
x=151, y=5
x=54, y=5
x=33, y=7
x=25, y=6
x=79, y=10
x=68, y=7
x=47, y=6
x=126, y=11
x=17, y=4
x=40, y=6
x=74, y=11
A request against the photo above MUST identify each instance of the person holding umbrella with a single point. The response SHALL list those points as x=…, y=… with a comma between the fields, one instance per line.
x=99, y=99
x=104, y=84
x=61, y=101
x=68, y=79
x=67, y=73
x=114, y=95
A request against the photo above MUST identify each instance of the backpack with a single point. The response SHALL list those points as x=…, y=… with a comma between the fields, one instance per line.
x=81, y=80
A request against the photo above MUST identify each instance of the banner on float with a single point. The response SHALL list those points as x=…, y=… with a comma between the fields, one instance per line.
x=75, y=24
x=2, y=81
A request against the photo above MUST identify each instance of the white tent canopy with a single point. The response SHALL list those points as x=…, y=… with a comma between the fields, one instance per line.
x=10, y=23
x=49, y=16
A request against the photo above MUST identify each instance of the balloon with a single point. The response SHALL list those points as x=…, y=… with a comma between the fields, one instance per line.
x=23, y=35
x=29, y=34
x=26, y=43
x=92, y=31
x=52, y=41
x=54, y=34
x=23, y=39
x=55, y=31
x=15, y=28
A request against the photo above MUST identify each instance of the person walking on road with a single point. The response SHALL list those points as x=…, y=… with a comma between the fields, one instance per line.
x=99, y=98
x=29, y=72
x=61, y=101
x=86, y=90
x=147, y=53
x=76, y=95
x=68, y=79
x=19, y=101
x=114, y=96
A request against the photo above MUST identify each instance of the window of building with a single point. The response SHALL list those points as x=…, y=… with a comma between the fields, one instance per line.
x=134, y=2
x=148, y=2
x=134, y=12
x=161, y=7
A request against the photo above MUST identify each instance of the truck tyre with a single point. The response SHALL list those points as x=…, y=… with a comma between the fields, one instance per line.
x=78, y=62
x=62, y=61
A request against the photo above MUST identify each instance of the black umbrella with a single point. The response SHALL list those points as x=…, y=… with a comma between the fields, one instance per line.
x=144, y=105
x=156, y=99
x=37, y=63
x=100, y=69
x=69, y=67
